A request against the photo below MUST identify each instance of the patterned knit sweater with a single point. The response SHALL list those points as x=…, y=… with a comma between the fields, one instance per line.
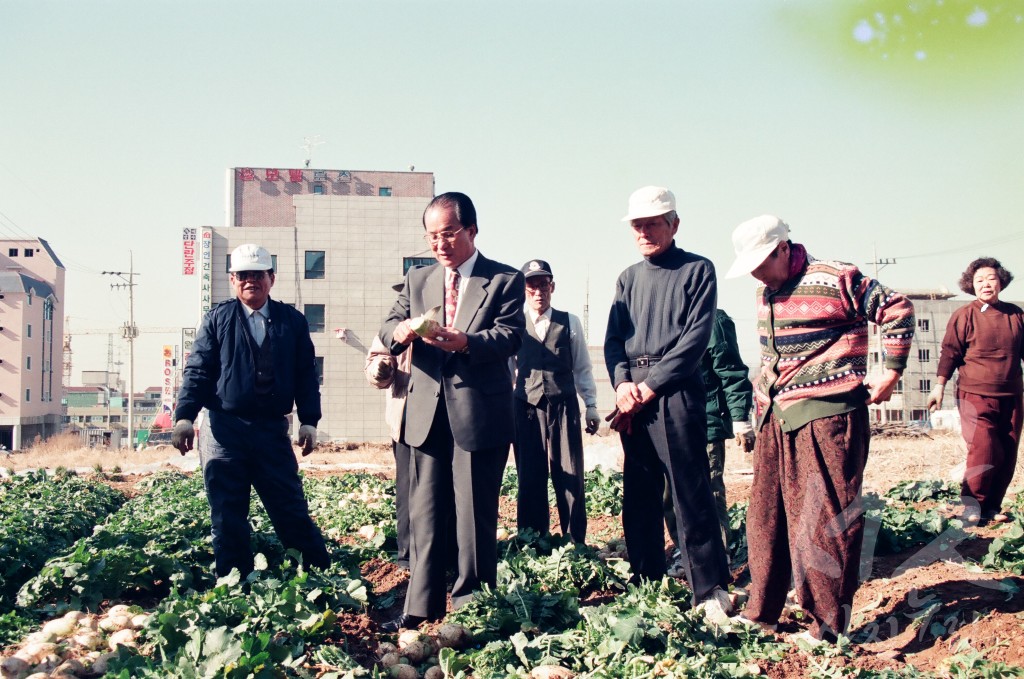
x=814, y=339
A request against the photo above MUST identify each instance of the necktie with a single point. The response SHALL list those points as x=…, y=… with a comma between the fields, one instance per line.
x=451, y=297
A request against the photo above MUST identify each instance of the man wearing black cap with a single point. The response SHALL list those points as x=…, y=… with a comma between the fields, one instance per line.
x=552, y=367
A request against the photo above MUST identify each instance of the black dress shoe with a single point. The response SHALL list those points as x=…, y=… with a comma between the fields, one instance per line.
x=403, y=622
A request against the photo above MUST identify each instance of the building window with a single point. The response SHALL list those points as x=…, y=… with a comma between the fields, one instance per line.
x=28, y=395
x=315, y=317
x=899, y=387
x=12, y=252
x=895, y=415
x=28, y=330
x=28, y=252
x=384, y=191
x=28, y=363
x=924, y=386
x=919, y=416
x=923, y=324
x=318, y=189
x=318, y=365
x=924, y=355
x=413, y=262
x=315, y=264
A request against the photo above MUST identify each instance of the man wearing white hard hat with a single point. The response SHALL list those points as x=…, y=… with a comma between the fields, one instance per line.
x=252, y=361
x=804, y=521
x=658, y=329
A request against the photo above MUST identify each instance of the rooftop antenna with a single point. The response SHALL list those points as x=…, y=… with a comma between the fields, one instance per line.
x=308, y=144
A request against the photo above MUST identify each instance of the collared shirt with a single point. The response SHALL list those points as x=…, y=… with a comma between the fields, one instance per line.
x=257, y=326
x=582, y=370
x=465, y=271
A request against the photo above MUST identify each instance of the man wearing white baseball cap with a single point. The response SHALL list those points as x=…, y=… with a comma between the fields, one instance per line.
x=251, y=362
x=813, y=431
x=658, y=329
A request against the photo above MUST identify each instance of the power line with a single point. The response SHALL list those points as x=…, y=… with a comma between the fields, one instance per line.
x=960, y=248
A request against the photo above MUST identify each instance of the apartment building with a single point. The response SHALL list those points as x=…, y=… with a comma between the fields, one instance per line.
x=31, y=332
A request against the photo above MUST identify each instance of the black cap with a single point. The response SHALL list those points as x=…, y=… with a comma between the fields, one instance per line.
x=536, y=267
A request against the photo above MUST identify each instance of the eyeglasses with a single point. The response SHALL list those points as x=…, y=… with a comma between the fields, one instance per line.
x=249, y=275
x=446, y=236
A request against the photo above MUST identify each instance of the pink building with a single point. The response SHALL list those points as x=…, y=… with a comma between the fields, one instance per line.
x=31, y=336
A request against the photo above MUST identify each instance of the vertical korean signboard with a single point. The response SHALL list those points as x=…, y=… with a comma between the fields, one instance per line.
x=206, y=267
x=167, y=387
x=188, y=252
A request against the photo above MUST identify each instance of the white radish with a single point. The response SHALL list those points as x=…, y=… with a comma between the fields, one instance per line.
x=60, y=628
x=124, y=637
x=13, y=666
x=451, y=635
x=402, y=671
x=113, y=623
x=407, y=637
x=89, y=640
x=551, y=672
x=416, y=652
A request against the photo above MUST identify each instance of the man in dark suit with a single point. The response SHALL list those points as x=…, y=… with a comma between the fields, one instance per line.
x=459, y=409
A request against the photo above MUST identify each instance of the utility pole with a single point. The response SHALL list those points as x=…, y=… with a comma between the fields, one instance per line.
x=884, y=263
x=130, y=332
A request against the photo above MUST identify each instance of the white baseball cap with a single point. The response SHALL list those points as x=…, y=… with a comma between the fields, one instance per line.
x=250, y=257
x=650, y=201
x=754, y=240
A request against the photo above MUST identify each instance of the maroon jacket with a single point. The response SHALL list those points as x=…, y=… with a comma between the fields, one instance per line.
x=986, y=344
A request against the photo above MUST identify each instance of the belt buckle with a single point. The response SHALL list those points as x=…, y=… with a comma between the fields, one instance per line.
x=643, y=361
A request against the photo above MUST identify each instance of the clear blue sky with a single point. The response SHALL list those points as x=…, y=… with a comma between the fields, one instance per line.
x=861, y=123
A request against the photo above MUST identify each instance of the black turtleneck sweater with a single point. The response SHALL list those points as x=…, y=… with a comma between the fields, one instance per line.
x=664, y=306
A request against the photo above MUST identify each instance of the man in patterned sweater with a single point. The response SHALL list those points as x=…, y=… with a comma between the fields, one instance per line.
x=805, y=520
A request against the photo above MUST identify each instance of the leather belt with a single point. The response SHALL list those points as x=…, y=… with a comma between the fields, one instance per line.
x=643, y=361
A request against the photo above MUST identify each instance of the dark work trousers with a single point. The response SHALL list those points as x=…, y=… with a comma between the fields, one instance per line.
x=805, y=521
x=667, y=445
x=549, y=436
x=403, y=457
x=239, y=455
x=445, y=478
x=716, y=460
x=991, y=428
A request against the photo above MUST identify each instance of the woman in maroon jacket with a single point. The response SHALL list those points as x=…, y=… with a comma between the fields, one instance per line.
x=984, y=342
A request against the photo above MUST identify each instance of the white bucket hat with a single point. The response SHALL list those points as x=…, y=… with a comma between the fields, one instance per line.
x=754, y=240
x=650, y=201
x=250, y=257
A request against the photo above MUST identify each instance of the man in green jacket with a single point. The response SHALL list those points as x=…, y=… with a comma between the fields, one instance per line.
x=730, y=397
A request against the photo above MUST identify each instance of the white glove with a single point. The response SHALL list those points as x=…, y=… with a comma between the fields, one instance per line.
x=744, y=435
x=183, y=436
x=593, y=420
x=307, y=438
x=935, y=397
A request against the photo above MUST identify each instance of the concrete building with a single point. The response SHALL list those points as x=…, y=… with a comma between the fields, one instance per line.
x=340, y=239
x=100, y=413
x=31, y=331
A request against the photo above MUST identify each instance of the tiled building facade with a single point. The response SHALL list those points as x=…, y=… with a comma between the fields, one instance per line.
x=31, y=334
x=340, y=240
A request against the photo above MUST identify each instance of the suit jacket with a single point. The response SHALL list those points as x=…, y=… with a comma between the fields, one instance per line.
x=477, y=384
